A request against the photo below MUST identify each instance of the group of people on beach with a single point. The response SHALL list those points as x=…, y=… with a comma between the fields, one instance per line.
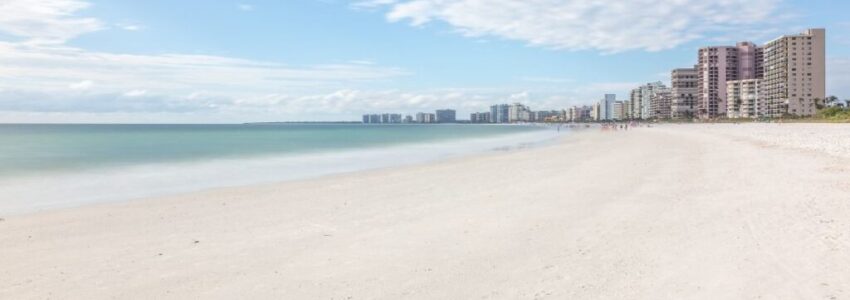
x=622, y=126
x=625, y=126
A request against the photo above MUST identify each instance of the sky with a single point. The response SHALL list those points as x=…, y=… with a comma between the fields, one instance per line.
x=194, y=61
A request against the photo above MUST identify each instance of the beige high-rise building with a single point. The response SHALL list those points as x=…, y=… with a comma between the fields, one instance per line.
x=618, y=111
x=683, y=83
x=795, y=73
x=660, y=101
x=745, y=99
x=719, y=64
x=595, y=112
x=641, y=100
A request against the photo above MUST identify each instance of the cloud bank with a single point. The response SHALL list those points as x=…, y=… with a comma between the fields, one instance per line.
x=608, y=26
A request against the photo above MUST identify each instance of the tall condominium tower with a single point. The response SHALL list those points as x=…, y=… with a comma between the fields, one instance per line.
x=683, y=83
x=795, y=72
x=660, y=102
x=499, y=113
x=719, y=64
x=607, y=109
x=519, y=113
x=446, y=116
x=641, y=100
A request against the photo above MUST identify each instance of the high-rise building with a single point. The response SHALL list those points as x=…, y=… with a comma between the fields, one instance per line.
x=481, y=117
x=683, y=83
x=595, y=111
x=446, y=116
x=382, y=118
x=719, y=64
x=744, y=99
x=499, y=113
x=547, y=116
x=660, y=101
x=795, y=73
x=519, y=113
x=641, y=100
x=618, y=111
x=425, y=118
x=580, y=113
x=607, y=106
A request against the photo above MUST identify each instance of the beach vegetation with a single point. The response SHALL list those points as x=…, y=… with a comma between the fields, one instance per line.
x=835, y=114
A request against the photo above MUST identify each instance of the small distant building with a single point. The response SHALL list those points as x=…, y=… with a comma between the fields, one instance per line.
x=499, y=113
x=618, y=111
x=606, y=105
x=365, y=119
x=425, y=118
x=519, y=113
x=580, y=113
x=595, y=112
x=481, y=117
x=446, y=116
x=374, y=119
x=547, y=116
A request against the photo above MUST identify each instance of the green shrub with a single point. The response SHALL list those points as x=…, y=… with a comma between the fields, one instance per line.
x=835, y=114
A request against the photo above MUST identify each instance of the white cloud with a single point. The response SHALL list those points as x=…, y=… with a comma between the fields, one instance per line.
x=45, y=21
x=51, y=68
x=135, y=93
x=245, y=7
x=343, y=104
x=609, y=26
x=37, y=72
x=82, y=85
x=130, y=27
x=370, y=4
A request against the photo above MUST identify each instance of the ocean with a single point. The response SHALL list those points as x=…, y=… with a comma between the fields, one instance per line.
x=51, y=166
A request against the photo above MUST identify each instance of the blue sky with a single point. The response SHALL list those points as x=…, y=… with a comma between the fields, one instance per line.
x=222, y=61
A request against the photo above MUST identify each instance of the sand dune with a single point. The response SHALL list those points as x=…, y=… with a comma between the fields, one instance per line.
x=670, y=212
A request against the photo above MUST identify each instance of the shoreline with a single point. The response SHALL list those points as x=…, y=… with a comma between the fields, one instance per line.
x=138, y=182
x=664, y=212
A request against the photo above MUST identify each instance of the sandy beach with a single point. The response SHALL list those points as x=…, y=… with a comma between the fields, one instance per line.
x=750, y=211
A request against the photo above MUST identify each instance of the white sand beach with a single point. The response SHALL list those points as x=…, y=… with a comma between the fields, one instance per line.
x=750, y=211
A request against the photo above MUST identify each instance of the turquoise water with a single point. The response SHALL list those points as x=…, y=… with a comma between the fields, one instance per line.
x=39, y=149
x=54, y=166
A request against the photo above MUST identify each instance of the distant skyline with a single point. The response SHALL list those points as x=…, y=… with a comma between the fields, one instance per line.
x=327, y=60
